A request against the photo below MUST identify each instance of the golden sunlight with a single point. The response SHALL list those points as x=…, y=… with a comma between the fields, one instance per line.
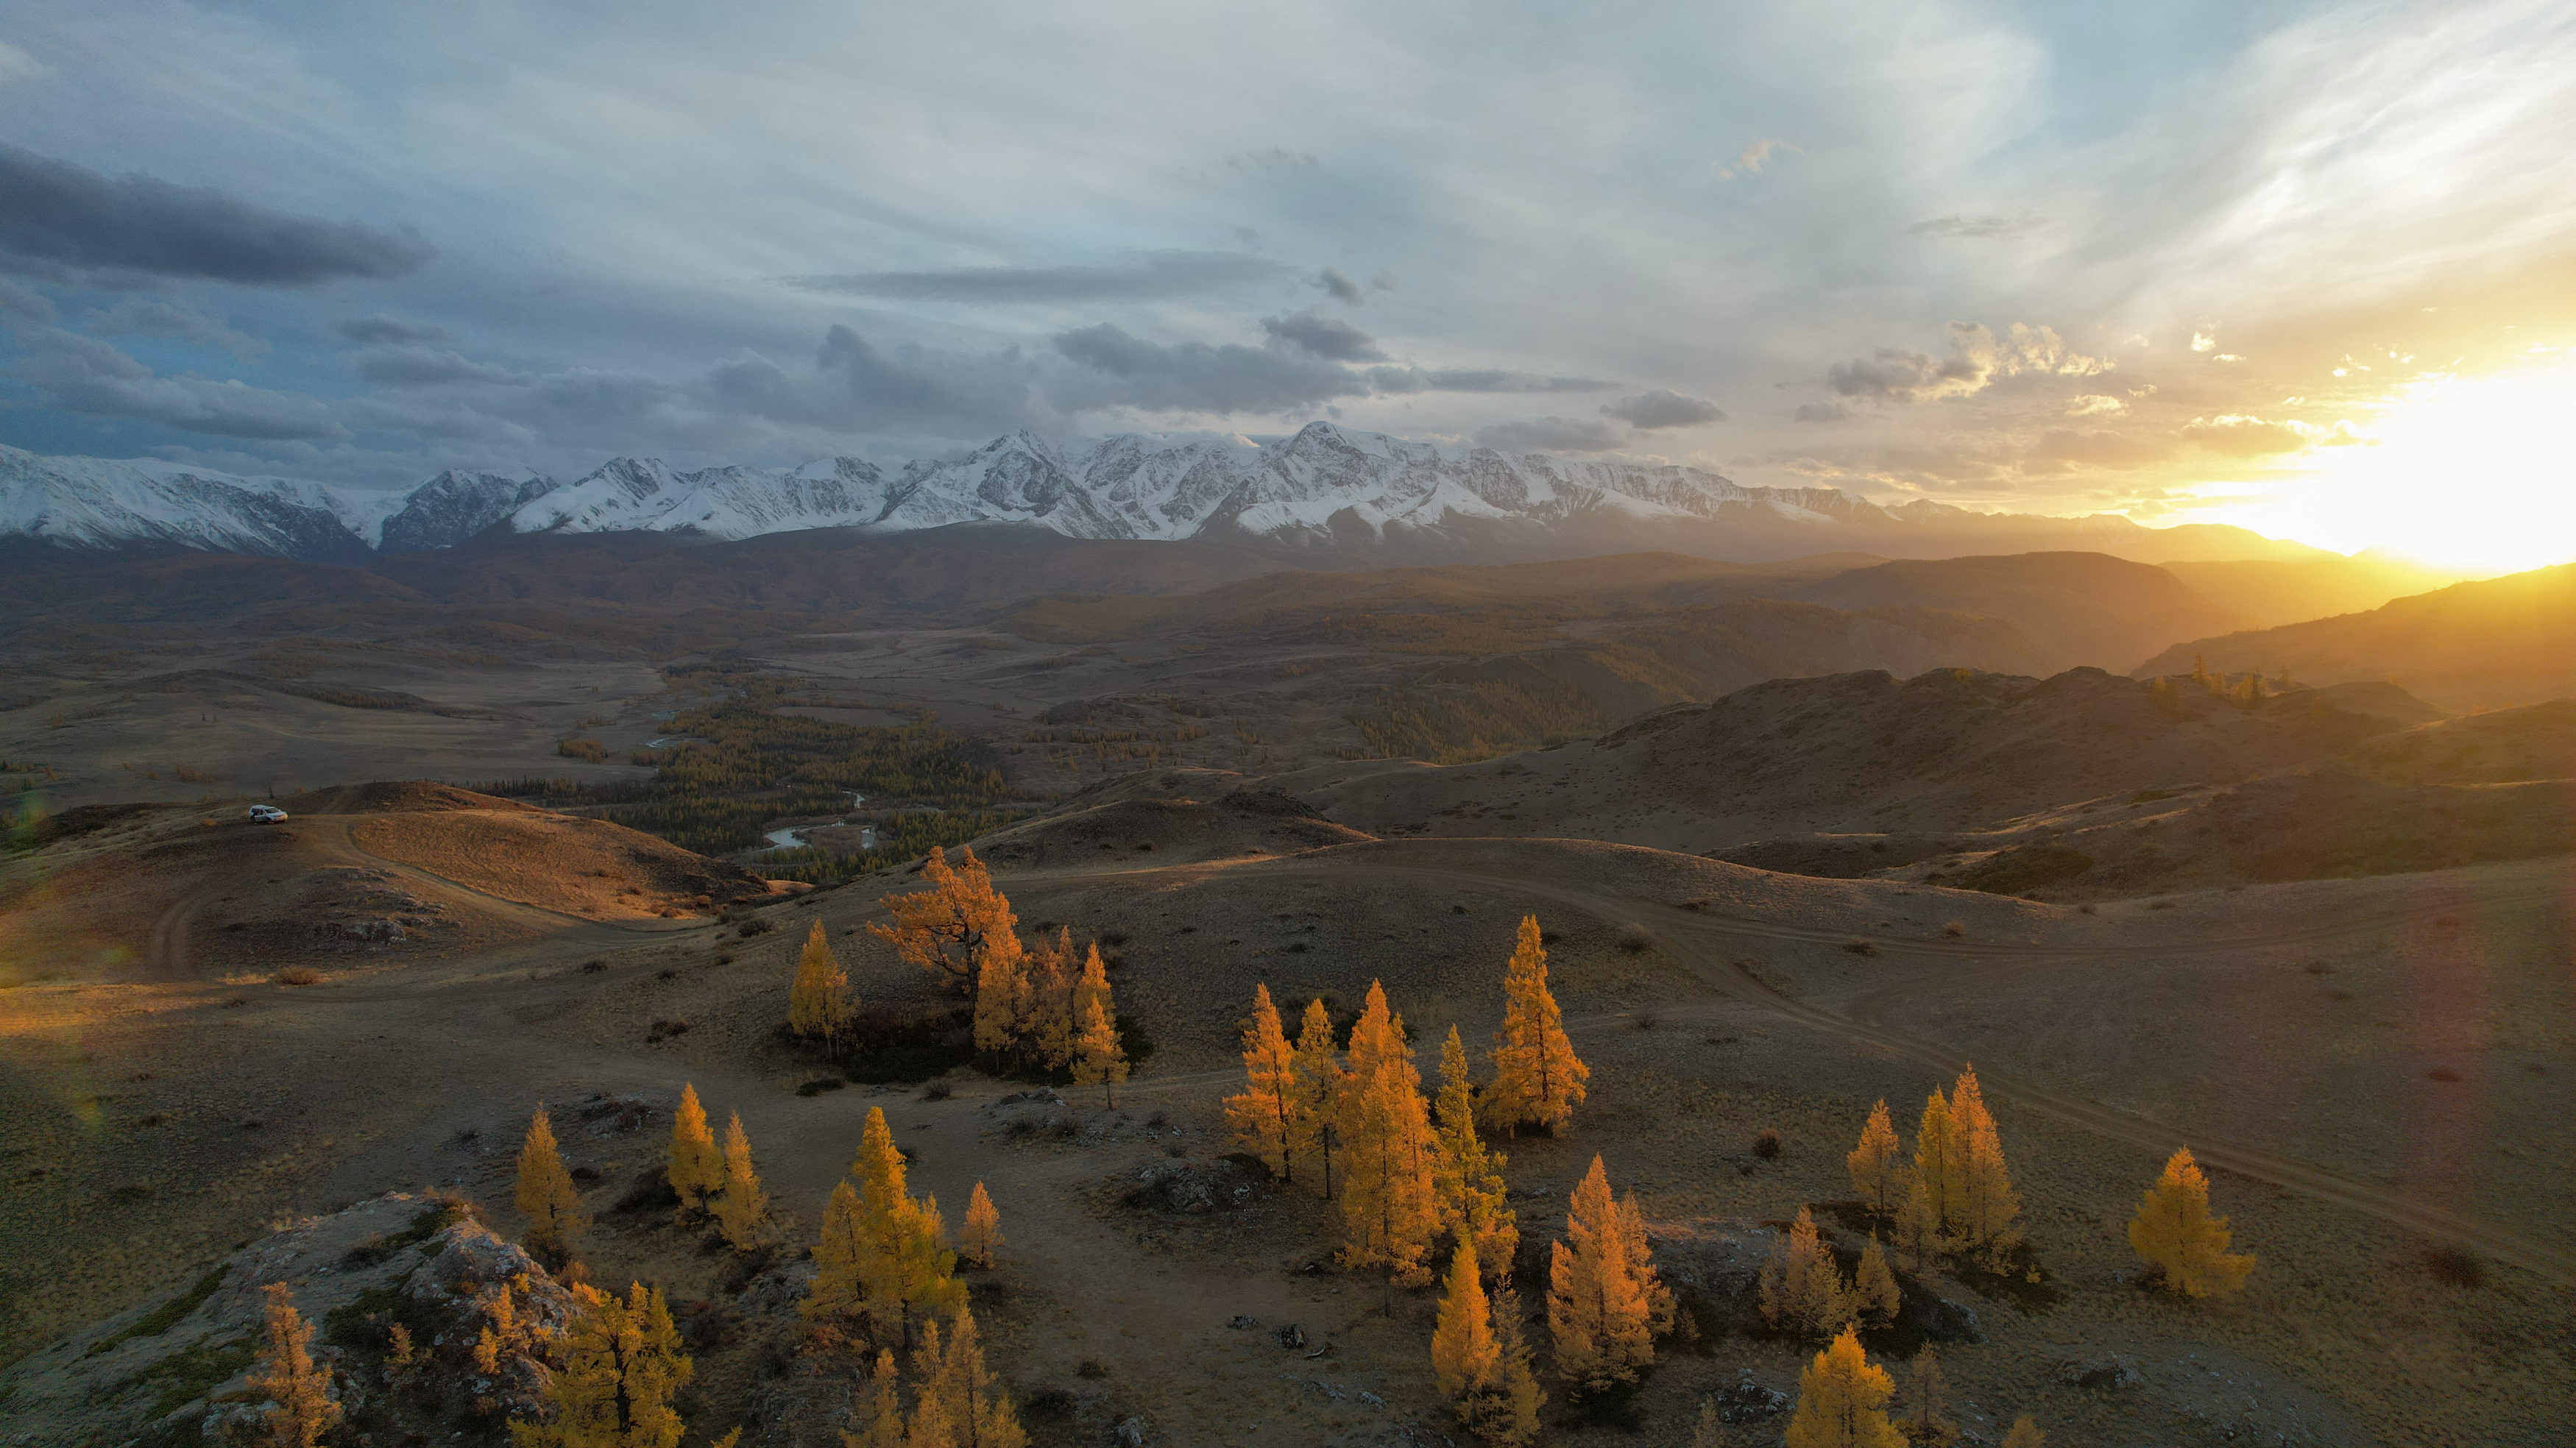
x=2466, y=473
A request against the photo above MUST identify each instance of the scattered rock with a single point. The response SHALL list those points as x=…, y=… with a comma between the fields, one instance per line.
x=611, y=1115
x=1749, y=1402
x=1239, y=1322
x=1191, y=1188
x=1292, y=1336
x=2110, y=1372
x=1130, y=1433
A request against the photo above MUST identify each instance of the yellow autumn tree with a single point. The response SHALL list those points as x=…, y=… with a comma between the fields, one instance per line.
x=2025, y=1434
x=1842, y=1401
x=1098, y=1059
x=906, y=1267
x=1877, y=1174
x=1320, y=1079
x=1600, y=1315
x=1641, y=1267
x=300, y=1408
x=2174, y=1230
x=1264, y=1115
x=1987, y=1202
x=697, y=1167
x=742, y=1208
x=983, y=1227
x=1537, y=1079
x=1801, y=1286
x=818, y=1002
x=883, y=1416
x=1467, y=1175
x=837, y=1291
x=1463, y=1358
x=1874, y=1294
x=942, y=927
x=1001, y=995
x=1927, y=1400
x=959, y=1394
x=1390, y=1207
x=1936, y=1165
x=1050, y=975
x=621, y=1369
x=545, y=1196
x=1508, y=1415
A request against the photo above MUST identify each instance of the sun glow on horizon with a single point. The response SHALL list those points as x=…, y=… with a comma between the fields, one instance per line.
x=2474, y=474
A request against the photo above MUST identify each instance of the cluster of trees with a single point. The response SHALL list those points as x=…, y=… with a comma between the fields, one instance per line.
x=1804, y=1289
x=1843, y=1402
x=883, y=1256
x=1955, y=1195
x=1036, y=1007
x=721, y=1185
x=957, y=1402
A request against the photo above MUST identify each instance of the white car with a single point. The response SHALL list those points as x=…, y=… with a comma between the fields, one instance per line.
x=266, y=814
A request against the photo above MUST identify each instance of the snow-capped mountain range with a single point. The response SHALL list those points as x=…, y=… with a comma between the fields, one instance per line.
x=1325, y=484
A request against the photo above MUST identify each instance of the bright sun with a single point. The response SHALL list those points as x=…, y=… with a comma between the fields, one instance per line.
x=2473, y=474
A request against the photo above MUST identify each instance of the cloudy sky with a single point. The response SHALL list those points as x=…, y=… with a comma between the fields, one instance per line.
x=2279, y=262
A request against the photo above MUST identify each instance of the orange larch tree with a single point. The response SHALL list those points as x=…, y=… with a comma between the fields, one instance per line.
x=1390, y=1207
x=1264, y=1115
x=1538, y=1081
x=943, y=926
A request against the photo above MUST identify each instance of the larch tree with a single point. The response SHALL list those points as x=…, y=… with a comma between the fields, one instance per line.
x=742, y=1208
x=1877, y=1172
x=300, y=1408
x=1320, y=1081
x=1390, y=1207
x=1538, y=1081
x=1098, y=1059
x=837, y=1291
x=1842, y=1401
x=905, y=1266
x=697, y=1167
x=983, y=1227
x=1464, y=1361
x=1874, y=1292
x=818, y=1003
x=1641, y=1266
x=1987, y=1202
x=883, y=1415
x=969, y=1403
x=1927, y=1400
x=622, y=1367
x=1467, y=1174
x=1050, y=1000
x=1936, y=1164
x=2025, y=1434
x=943, y=927
x=545, y=1195
x=1001, y=995
x=1600, y=1315
x=2174, y=1230
x=1508, y=1415
x=1801, y=1285
x=1710, y=1431
x=1264, y=1115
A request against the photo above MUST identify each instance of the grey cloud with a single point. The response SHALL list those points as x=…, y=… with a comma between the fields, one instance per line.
x=60, y=215
x=1317, y=335
x=1977, y=358
x=1341, y=288
x=24, y=304
x=1148, y=277
x=1397, y=381
x=429, y=367
x=1987, y=227
x=1821, y=412
x=1663, y=407
x=85, y=375
x=385, y=327
x=857, y=386
x=1120, y=368
x=161, y=317
x=1551, y=434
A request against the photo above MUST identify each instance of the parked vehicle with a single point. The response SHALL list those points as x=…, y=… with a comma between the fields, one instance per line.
x=267, y=814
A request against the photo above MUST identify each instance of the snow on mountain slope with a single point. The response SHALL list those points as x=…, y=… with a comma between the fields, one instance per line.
x=1326, y=485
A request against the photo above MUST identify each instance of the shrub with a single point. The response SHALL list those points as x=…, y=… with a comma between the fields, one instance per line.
x=588, y=750
x=755, y=926
x=1636, y=942
x=1860, y=947
x=819, y=1085
x=297, y=975
x=1766, y=1144
x=593, y=967
x=937, y=1091
x=2455, y=1267
x=664, y=1030
x=1955, y=929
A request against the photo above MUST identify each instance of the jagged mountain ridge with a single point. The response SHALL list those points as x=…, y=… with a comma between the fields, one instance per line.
x=1326, y=486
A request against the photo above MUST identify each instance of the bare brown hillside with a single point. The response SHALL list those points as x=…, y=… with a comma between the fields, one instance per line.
x=2495, y=643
